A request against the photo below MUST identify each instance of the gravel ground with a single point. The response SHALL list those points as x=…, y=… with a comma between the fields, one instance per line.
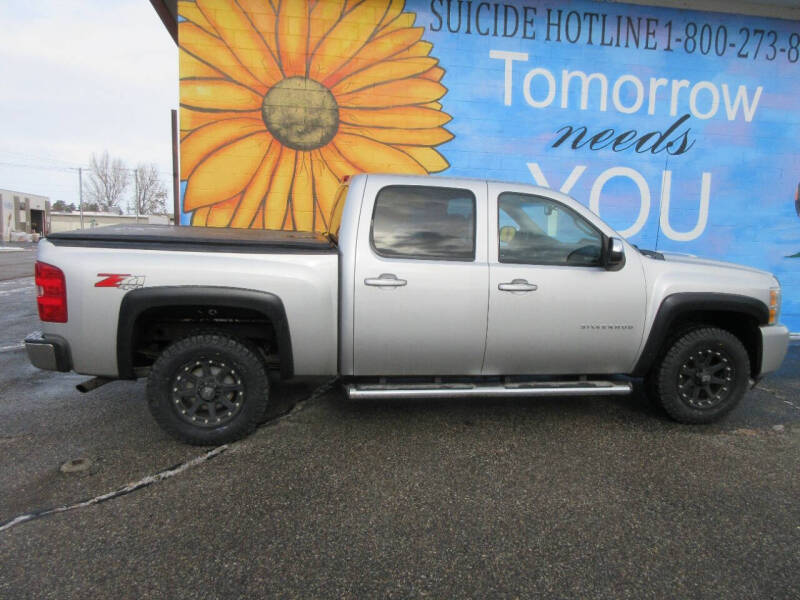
x=578, y=497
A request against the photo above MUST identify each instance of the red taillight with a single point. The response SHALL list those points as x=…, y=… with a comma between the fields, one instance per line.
x=51, y=293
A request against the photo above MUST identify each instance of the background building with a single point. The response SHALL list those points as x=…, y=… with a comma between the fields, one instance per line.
x=679, y=127
x=68, y=221
x=22, y=212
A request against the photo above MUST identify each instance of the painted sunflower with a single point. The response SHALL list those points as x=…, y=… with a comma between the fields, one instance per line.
x=282, y=98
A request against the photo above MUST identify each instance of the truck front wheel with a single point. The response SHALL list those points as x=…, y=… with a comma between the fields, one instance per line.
x=208, y=389
x=703, y=375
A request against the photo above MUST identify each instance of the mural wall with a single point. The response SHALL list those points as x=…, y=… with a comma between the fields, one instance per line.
x=680, y=128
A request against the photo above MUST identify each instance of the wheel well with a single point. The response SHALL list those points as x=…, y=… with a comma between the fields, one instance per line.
x=743, y=326
x=156, y=328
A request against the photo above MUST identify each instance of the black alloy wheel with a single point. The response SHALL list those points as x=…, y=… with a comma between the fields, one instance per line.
x=703, y=375
x=705, y=378
x=207, y=392
x=208, y=389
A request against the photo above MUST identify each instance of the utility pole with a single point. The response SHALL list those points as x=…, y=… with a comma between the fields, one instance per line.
x=80, y=193
x=176, y=202
x=136, y=192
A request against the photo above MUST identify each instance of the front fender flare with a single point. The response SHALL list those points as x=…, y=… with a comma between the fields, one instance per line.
x=676, y=305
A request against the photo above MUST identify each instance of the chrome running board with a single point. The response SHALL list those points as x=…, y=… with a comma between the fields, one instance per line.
x=374, y=391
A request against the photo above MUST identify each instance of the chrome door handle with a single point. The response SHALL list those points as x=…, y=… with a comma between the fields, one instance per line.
x=385, y=280
x=518, y=285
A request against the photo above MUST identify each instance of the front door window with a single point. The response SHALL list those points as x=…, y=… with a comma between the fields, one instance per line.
x=538, y=231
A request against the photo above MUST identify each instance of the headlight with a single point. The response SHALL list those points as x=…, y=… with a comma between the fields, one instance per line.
x=774, y=304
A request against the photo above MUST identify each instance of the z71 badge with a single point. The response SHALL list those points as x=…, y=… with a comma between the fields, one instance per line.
x=123, y=281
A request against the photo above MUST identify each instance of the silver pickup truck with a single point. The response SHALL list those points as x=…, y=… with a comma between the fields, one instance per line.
x=425, y=287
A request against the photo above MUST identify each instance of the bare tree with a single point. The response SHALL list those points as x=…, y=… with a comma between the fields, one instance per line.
x=150, y=193
x=108, y=180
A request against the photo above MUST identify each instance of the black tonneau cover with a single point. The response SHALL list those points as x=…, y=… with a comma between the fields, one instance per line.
x=195, y=239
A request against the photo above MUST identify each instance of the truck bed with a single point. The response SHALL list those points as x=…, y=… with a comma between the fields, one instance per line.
x=196, y=239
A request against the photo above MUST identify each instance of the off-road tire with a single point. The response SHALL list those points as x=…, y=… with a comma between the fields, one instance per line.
x=228, y=371
x=702, y=376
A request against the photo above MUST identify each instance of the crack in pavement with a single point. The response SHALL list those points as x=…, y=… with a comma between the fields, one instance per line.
x=12, y=348
x=166, y=473
x=778, y=395
x=123, y=491
x=302, y=404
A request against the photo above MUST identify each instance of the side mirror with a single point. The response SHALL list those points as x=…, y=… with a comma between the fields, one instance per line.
x=615, y=254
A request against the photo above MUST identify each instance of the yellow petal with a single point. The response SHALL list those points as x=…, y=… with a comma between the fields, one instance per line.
x=381, y=72
x=205, y=140
x=190, y=12
x=192, y=119
x=326, y=184
x=369, y=156
x=394, y=9
x=395, y=93
x=258, y=220
x=344, y=40
x=402, y=21
x=302, y=196
x=324, y=16
x=336, y=163
x=293, y=37
x=435, y=74
x=253, y=197
x=432, y=105
x=242, y=39
x=320, y=221
x=213, y=51
x=414, y=137
x=262, y=15
x=220, y=214
x=375, y=51
x=276, y=213
x=418, y=49
x=218, y=94
x=226, y=171
x=190, y=67
x=430, y=159
x=410, y=117
x=200, y=216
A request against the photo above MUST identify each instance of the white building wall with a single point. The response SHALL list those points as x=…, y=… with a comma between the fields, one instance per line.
x=15, y=211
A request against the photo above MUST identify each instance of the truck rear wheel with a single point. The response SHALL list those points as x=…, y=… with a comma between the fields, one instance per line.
x=208, y=389
x=703, y=375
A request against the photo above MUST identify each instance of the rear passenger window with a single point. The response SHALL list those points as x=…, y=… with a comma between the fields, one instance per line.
x=424, y=222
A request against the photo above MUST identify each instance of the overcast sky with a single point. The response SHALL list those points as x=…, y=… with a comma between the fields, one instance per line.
x=79, y=77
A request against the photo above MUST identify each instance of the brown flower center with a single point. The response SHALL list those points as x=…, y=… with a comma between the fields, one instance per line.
x=300, y=113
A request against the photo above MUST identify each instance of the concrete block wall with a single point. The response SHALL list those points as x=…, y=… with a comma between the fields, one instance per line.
x=678, y=127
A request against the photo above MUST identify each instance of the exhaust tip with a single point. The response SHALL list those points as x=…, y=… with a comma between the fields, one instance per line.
x=92, y=384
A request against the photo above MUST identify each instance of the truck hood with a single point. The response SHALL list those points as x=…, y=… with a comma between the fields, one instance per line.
x=675, y=257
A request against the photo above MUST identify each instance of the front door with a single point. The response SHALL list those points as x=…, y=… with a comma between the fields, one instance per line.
x=420, y=300
x=553, y=308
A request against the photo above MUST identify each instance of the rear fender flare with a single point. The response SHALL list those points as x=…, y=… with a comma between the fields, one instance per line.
x=136, y=302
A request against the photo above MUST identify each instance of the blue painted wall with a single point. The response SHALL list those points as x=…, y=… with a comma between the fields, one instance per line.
x=731, y=190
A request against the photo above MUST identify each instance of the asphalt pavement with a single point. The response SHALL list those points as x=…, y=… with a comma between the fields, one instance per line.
x=561, y=498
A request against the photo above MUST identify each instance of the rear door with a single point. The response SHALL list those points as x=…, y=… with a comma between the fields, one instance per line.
x=421, y=276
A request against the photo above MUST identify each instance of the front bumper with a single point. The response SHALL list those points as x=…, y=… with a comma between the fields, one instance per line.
x=49, y=352
x=774, y=343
